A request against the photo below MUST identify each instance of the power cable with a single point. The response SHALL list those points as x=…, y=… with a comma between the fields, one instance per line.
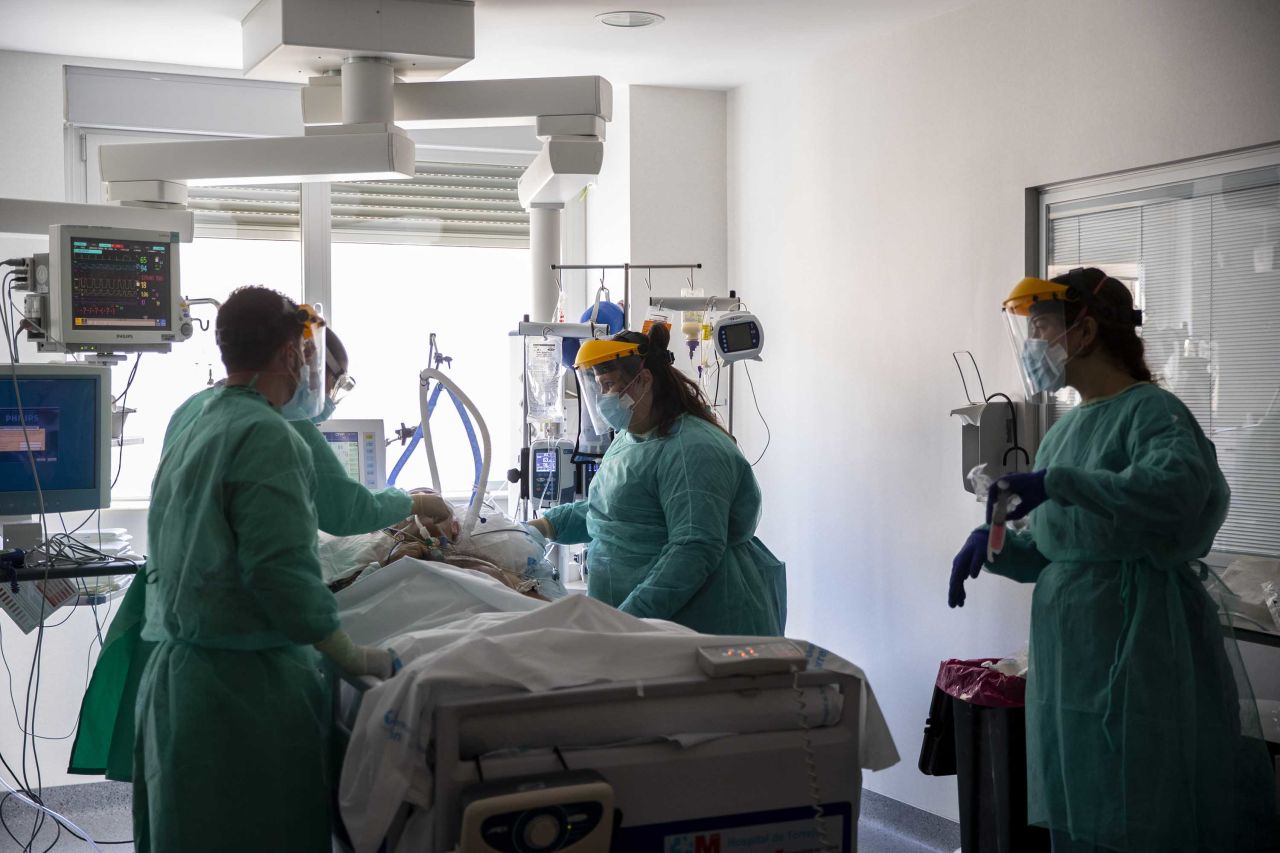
x=756, y=401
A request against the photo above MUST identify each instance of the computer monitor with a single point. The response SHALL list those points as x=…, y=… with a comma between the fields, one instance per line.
x=114, y=289
x=66, y=412
x=361, y=447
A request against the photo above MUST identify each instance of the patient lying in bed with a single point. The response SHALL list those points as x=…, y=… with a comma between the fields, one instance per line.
x=499, y=549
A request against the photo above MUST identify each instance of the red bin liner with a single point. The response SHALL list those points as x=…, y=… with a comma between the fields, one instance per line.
x=970, y=681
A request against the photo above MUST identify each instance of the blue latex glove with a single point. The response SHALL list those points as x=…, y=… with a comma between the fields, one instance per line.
x=1028, y=487
x=968, y=563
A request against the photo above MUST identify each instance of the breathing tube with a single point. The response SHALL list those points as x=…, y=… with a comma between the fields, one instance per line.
x=463, y=404
x=467, y=425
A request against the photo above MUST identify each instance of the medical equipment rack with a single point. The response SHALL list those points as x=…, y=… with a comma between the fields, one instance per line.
x=676, y=303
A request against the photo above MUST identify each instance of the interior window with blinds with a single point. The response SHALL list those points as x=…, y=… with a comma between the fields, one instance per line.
x=1202, y=258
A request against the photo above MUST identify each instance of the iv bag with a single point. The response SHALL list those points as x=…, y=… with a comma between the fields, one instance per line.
x=692, y=321
x=544, y=379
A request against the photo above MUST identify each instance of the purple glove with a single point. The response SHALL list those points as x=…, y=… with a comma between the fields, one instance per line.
x=1028, y=487
x=968, y=563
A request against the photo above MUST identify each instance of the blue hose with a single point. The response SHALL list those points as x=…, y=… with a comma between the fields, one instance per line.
x=413, y=442
x=417, y=437
x=471, y=437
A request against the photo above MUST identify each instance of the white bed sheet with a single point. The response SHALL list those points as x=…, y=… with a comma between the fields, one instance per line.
x=485, y=649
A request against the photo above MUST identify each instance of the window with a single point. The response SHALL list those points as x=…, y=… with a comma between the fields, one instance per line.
x=445, y=252
x=1199, y=246
x=211, y=268
x=387, y=300
x=244, y=235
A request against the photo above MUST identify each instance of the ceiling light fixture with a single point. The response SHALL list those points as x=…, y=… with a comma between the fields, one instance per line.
x=630, y=19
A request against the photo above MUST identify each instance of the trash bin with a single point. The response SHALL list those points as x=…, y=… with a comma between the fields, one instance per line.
x=977, y=730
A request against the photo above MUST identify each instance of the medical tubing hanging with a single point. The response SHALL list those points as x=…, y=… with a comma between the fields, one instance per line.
x=413, y=442
x=477, y=497
x=407, y=454
x=476, y=458
x=424, y=410
x=57, y=817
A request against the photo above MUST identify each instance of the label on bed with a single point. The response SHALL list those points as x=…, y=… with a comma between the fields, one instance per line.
x=778, y=831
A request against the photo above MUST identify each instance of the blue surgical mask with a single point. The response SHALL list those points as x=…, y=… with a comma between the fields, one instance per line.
x=1045, y=363
x=303, y=404
x=326, y=412
x=616, y=410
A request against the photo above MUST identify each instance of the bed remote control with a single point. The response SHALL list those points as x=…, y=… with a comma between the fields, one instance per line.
x=762, y=658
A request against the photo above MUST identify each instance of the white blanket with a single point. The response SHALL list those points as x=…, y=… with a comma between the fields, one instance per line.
x=414, y=595
x=569, y=643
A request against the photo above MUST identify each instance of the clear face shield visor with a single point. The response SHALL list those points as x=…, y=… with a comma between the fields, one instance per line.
x=603, y=380
x=1038, y=333
x=342, y=386
x=343, y=383
x=308, y=399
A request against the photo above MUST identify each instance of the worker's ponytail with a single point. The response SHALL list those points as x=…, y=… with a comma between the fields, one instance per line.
x=674, y=394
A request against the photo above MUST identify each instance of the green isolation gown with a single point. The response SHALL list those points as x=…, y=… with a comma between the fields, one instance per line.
x=1137, y=739
x=671, y=523
x=104, y=737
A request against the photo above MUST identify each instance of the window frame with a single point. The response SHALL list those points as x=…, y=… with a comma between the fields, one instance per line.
x=315, y=232
x=1115, y=190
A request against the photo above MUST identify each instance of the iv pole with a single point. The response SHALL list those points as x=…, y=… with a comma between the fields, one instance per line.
x=714, y=303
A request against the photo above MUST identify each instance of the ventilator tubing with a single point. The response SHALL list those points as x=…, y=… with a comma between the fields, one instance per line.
x=477, y=458
x=477, y=494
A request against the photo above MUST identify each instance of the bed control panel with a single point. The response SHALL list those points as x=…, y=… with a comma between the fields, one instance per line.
x=570, y=812
x=763, y=658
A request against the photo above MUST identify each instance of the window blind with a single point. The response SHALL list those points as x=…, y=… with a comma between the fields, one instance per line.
x=263, y=212
x=1203, y=261
x=443, y=204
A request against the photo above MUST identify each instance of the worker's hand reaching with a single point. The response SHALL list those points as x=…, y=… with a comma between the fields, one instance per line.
x=543, y=527
x=435, y=513
x=358, y=660
x=537, y=532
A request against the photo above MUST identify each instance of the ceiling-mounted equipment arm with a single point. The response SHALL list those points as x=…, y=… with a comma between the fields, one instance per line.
x=28, y=217
x=476, y=103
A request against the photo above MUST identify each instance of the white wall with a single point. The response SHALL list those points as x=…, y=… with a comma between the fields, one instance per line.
x=609, y=199
x=876, y=221
x=678, y=193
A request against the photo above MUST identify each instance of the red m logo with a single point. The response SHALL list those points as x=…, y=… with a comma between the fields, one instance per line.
x=706, y=843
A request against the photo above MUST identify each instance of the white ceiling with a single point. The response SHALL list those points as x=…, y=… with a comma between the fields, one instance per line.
x=711, y=43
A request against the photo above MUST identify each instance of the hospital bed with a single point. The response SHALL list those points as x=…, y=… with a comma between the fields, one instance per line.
x=672, y=760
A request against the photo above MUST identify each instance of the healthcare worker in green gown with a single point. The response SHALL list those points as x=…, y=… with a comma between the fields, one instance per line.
x=344, y=507
x=671, y=515
x=1137, y=735
x=231, y=746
